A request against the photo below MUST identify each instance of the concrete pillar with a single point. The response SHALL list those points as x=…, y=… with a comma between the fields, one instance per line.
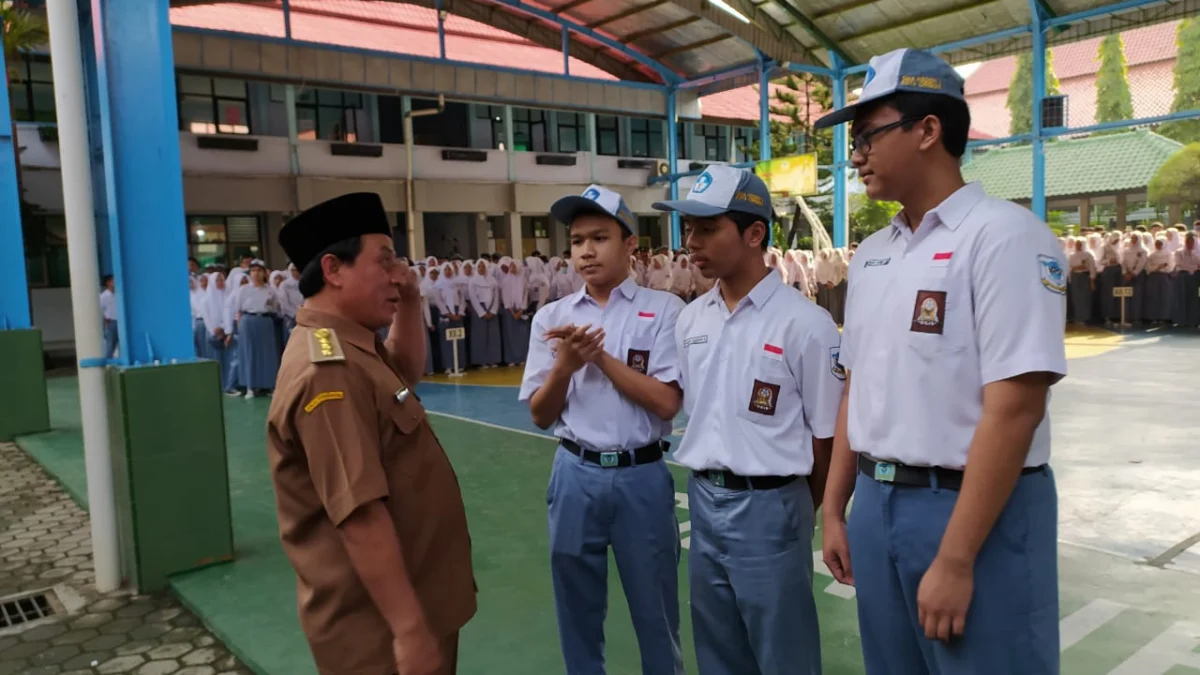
x=1085, y=212
x=276, y=257
x=1122, y=206
x=516, y=246
x=560, y=239
x=664, y=231
x=418, y=235
x=480, y=240
x=1174, y=213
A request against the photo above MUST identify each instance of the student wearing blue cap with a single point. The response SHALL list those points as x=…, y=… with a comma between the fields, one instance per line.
x=953, y=337
x=603, y=372
x=761, y=386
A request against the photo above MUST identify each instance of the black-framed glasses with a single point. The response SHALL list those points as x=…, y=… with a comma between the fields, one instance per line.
x=861, y=143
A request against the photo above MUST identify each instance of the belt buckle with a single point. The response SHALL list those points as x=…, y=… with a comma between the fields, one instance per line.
x=717, y=478
x=885, y=472
x=609, y=459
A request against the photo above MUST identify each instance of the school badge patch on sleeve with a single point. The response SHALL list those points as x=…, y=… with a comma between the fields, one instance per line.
x=1054, y=278
x=929, y=312
x=764, y=398
x=639, y=360
x=835, y=365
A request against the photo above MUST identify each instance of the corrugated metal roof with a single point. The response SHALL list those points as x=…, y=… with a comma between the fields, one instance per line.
x=1097, y=165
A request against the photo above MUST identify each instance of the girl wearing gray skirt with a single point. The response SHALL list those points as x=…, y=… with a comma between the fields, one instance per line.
x=196, y=288
x=1109, y=278
x=258, y=341
x=216, y=300
x=1081, y=283
x=452, y=308
x=238, y=282
x=1133, y=273
x=1157, y=305
x=486, y=347
x=514, y=324
x=1187, y=284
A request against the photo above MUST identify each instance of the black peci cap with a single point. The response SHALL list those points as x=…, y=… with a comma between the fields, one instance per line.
x=318, y=228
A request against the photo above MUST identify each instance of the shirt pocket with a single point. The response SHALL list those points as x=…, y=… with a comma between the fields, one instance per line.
x=763, y=389
x=940, y=320
x=404, y=451
x=640, y=350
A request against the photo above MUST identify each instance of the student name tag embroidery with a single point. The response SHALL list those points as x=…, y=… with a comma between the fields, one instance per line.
x=929, y=312
x=772, y=352
x=764, y=398
x=695, y=340
x=639, y=360
x=877, y=262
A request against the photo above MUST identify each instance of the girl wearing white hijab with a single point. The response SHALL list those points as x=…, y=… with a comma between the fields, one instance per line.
x=538, y=284
x=560, y=279
x=681, y=278
x=452, y=307
x=196, y=293
x=484, y=292
x=1081, y=283
x=290, y=300
x=430, y=313
x=217, y=327
x=231, y=337
x=1108, y=263
x=1187, y=283
x=1133, y=273
x=659, y=276
x=824, y=275
x=514, y=324
x=258, y=341
x=1159, y=265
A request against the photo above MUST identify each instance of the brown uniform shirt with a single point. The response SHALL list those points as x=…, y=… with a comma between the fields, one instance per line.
x=339, y=437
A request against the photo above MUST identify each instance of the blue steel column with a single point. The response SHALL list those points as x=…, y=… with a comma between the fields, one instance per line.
x=134, y=69
x=841, y=213
x=1038, y=205
x=764, y=111
x=672, y=159
x=14, y=289
x=441, y=29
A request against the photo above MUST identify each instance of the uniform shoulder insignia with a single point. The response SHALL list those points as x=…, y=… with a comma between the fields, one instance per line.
x=323, y=346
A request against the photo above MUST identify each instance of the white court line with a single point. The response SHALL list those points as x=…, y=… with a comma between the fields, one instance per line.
x=836, y=588
x=1086, y=620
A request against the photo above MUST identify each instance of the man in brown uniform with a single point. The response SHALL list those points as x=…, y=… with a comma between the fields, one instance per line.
x=369, y=508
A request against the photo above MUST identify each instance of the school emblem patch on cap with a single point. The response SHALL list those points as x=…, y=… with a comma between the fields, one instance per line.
x=900, y=70
x=595, y=199
x=721, y=189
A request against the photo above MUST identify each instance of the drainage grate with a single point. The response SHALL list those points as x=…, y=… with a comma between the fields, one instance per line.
x=18, y=611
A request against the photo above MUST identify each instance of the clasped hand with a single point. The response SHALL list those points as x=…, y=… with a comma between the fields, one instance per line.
x=576, y=345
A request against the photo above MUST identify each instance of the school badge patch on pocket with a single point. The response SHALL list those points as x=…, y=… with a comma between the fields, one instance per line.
x=929, y=312
x=639, y=360
x=764, y=398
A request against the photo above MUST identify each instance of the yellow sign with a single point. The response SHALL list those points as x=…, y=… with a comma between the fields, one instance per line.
x=791, y=176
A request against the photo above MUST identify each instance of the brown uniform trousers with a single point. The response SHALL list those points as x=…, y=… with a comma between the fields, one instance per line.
x=344, y=430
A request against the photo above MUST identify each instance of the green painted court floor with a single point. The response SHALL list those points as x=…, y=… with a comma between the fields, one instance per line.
x=1119, y=617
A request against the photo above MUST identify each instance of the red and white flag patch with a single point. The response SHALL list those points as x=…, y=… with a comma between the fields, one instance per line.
x=646, y=316
x=772, y=352
x=944, y=255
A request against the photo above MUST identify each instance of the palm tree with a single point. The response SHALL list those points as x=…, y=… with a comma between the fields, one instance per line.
x=23, y=32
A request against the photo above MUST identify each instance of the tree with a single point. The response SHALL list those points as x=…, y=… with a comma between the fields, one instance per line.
x=794, y=135
x=1187, y=82
x=1020, y=93
x=1114, y=103
x=1177, y=181
x=868, y=215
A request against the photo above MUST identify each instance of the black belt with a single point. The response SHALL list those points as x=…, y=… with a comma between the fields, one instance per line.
x=919, y=476
x=732, y=481
x=617, y=458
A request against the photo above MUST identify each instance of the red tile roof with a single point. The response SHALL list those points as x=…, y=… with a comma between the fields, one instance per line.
x=383, y=26
x=1150, y=53
x=742, y=104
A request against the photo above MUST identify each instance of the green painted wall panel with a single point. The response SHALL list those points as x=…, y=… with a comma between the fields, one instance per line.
x=175, y=469
x=23, y=405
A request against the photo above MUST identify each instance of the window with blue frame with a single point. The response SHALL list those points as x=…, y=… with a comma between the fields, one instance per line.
x=531, y=132
x=608, y=135
x=646, y=138
x=32, y=90
x=213, y=105
x=572, y=132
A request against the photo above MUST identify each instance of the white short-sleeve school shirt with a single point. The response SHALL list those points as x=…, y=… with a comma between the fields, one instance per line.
x=976, y=295
x=758, y=382
x=639, y=329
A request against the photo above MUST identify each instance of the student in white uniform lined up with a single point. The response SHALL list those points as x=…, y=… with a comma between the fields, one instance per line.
x=954, y=334
x=761, y=382
x=604, y=373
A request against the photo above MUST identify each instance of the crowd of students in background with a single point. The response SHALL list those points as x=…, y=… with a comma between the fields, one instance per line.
x=242, y=317
x=1160, y=264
